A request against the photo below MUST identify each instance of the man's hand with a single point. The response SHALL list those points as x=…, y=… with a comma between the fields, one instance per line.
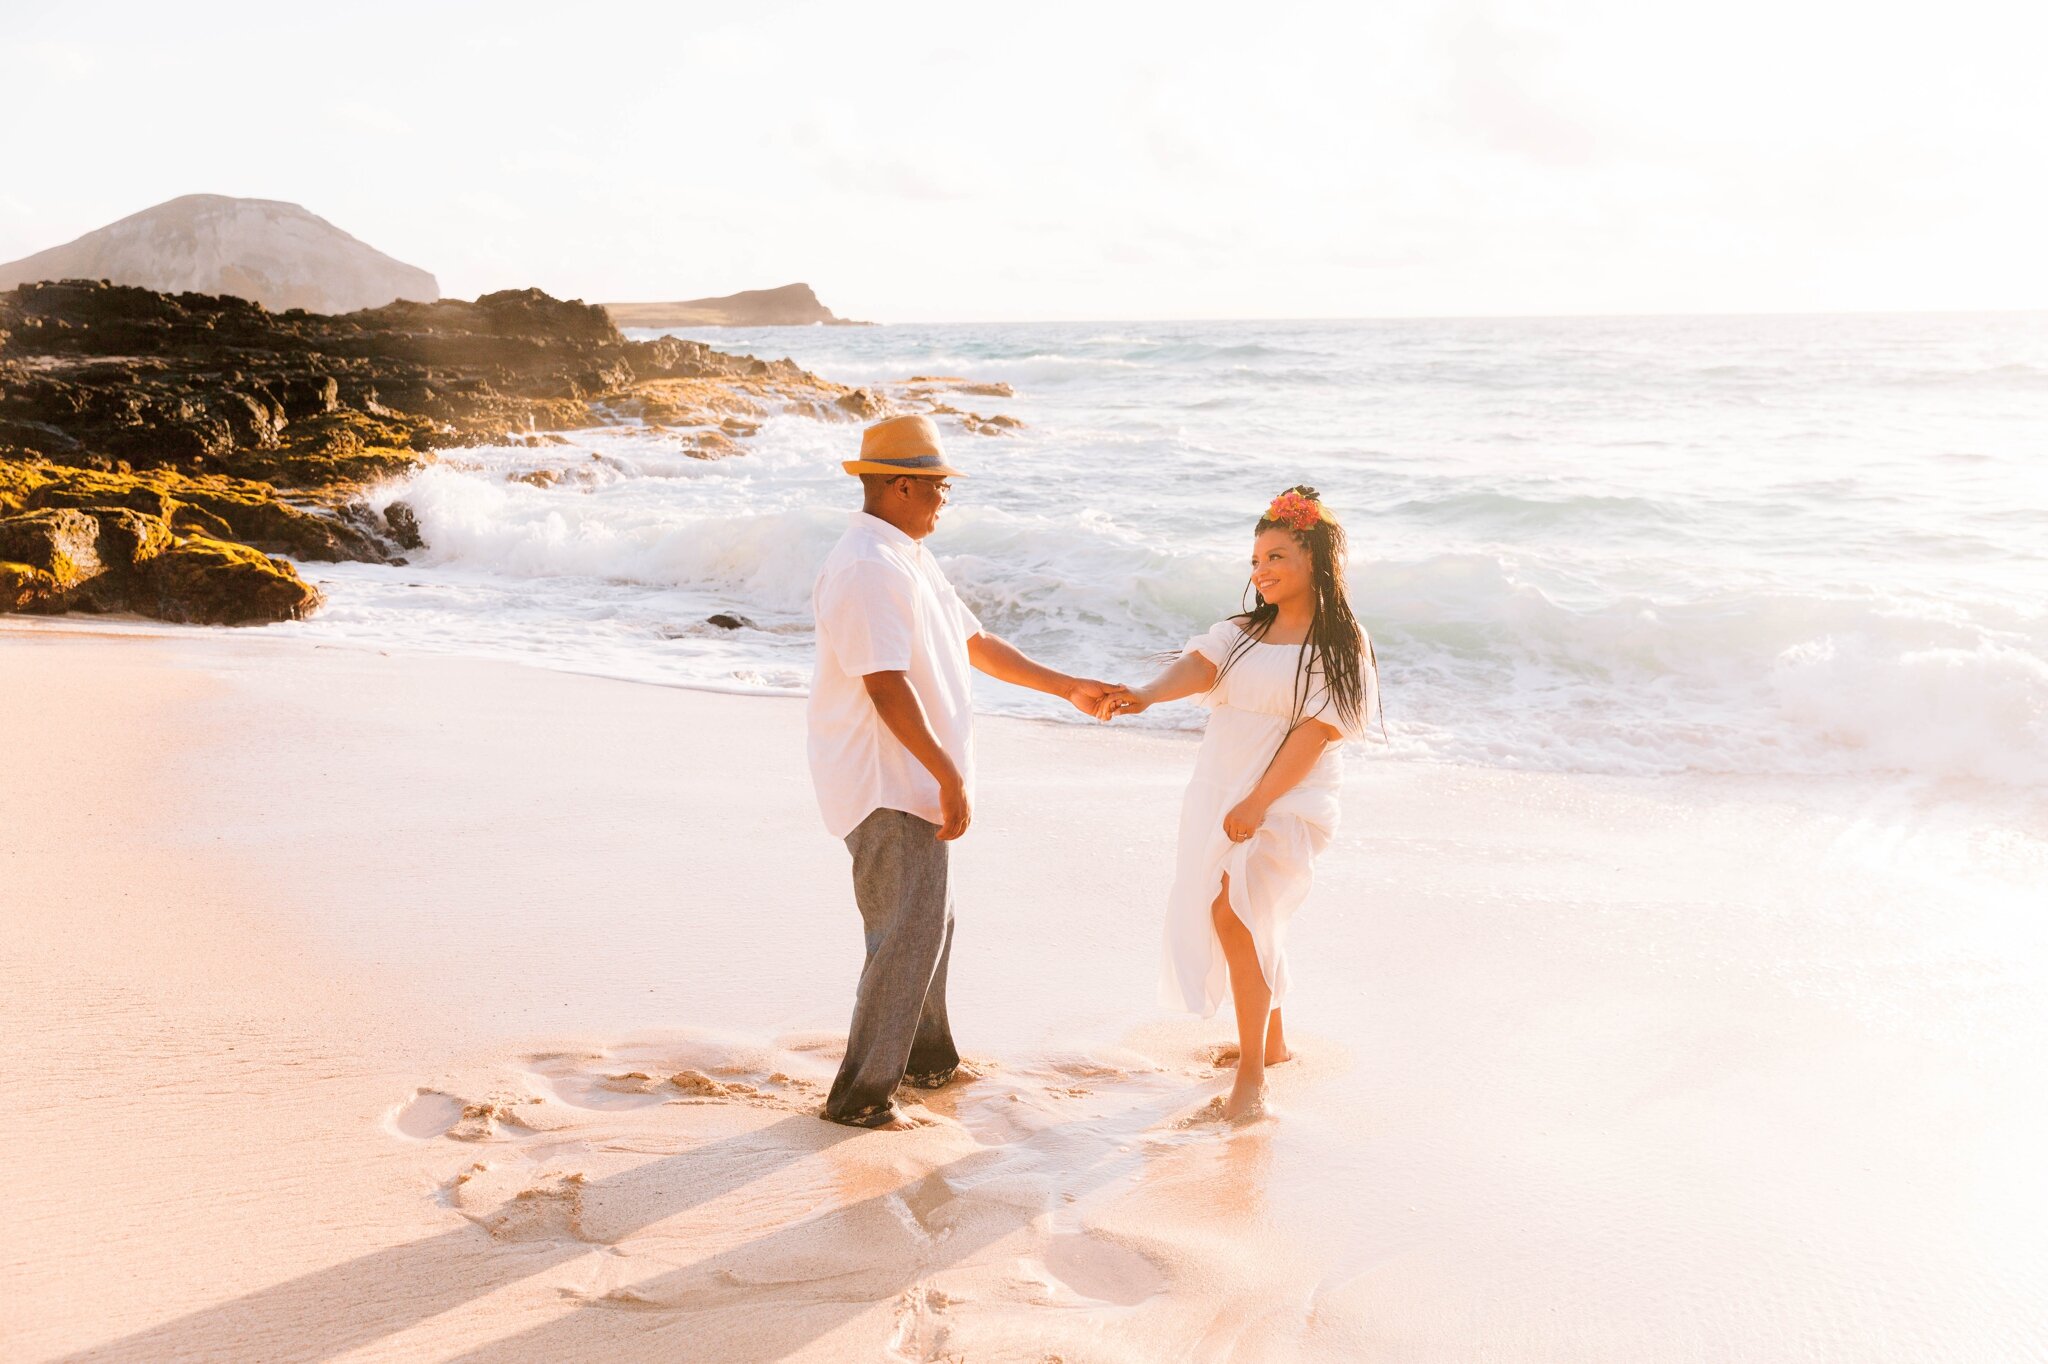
x=955, y=812
x=1086, y=694
x=1244, y=820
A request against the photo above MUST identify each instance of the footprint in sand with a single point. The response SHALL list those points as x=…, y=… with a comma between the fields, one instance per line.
x=608, y=1092
x=432, y=1113
x=1099, y=1271
x=484, y=1121
x=576, y=1081
x=1086, y=1068
x=513, y=1206
x=778, y=1091
x=426, y=1115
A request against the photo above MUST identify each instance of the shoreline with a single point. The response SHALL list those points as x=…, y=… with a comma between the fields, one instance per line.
x=1843, y=793
x=453, y=1007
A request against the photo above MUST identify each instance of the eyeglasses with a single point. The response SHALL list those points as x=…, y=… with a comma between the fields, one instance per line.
x=943, y=487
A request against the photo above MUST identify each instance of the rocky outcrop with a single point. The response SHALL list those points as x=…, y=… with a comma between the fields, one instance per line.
x=203, y=581
x=272, y=253
x=156, y=451
x=116, y=559
x=50, y=560
x=793, y=305
x=181, y=424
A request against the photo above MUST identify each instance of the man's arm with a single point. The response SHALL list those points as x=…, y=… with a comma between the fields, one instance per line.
x=903, y=713
x=1005, y=662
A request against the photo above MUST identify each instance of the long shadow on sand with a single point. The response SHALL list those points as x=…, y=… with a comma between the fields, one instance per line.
x=784, y=1290
x=334, y=1310
x=749, y=1300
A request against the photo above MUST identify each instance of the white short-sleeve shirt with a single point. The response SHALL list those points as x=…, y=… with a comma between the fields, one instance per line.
x=882, y=605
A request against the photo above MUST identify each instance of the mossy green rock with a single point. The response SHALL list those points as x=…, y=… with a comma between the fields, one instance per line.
x=202, y=581
x=21, y=586
x=61, y=548
x=130, y=539
x=116, y=558
x=214, y=505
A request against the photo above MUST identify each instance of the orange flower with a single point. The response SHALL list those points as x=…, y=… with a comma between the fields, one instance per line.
x=1294, y=511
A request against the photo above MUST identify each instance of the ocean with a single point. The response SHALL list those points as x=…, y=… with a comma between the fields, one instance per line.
x=1766, y=546
x=1672, y=987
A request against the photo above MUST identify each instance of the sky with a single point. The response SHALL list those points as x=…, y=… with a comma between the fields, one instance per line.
x=918, y=162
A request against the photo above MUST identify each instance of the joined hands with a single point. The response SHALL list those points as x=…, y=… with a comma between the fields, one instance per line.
x=1116, y=700
x=1103, y=700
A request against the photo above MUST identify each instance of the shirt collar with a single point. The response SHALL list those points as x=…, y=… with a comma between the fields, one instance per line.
x=882, y=530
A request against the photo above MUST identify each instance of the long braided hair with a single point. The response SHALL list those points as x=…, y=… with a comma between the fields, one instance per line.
x=1334, y=653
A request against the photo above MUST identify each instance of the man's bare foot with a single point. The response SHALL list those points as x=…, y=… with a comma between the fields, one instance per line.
x=888, y=1119
x=939, y=1079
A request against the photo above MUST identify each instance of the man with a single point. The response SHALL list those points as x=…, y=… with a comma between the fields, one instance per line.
x=892, y=756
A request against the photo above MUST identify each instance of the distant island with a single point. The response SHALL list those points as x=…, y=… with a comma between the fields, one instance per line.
x=267, y=251
x=281, y=256
x=793, y=305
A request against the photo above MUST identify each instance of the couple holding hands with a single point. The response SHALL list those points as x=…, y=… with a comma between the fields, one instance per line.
x=892, y=755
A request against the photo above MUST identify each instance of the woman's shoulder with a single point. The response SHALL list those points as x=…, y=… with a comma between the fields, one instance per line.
x=1220, y=642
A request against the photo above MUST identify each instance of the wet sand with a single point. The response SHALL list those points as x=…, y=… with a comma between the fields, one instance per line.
x=368, y=1007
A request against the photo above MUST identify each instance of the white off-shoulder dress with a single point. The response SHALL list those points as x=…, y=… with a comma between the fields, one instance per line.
x=1272, y=871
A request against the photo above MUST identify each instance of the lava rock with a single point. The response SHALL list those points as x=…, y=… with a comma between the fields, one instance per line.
x=404, y=525
x=201, y=581
x=53, y=560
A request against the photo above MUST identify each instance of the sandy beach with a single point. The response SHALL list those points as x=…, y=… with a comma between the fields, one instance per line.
x=367, y=1006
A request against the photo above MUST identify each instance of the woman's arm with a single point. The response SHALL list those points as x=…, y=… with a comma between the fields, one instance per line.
x=1189, y=675
x=1298, y=753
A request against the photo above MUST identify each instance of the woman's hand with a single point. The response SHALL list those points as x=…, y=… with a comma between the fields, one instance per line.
x=1121, y=701
x=1244, y=819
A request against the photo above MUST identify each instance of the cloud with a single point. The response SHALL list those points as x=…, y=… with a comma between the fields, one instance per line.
x=64, y=61
x=1498, y=90
x=884, y=169
x=354, y=116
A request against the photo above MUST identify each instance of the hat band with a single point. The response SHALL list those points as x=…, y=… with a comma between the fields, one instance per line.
x=906, y=462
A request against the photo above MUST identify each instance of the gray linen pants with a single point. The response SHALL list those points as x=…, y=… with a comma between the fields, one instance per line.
x=899, y=1014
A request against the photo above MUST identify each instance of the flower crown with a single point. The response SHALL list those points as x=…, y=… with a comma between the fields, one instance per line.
x=1298, y=511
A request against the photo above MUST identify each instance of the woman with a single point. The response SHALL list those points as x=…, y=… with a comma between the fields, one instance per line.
x=1286, y=682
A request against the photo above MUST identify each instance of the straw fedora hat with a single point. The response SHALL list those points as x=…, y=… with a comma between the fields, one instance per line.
x=902, y=445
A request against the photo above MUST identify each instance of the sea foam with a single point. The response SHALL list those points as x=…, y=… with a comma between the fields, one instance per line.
x=1630, y=546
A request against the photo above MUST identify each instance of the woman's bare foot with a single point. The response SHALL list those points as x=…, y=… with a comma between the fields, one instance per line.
x=1225, y=1054
x=1247, y=1099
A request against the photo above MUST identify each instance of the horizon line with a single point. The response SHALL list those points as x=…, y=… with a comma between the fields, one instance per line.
x=1397, y=317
